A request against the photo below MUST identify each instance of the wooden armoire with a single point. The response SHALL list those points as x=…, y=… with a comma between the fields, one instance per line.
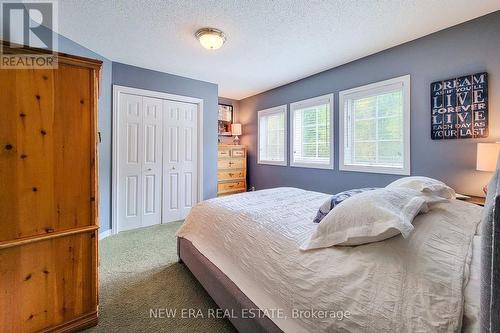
x=48, y=195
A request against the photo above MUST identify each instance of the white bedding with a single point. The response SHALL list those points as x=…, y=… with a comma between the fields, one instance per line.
x=398, y=285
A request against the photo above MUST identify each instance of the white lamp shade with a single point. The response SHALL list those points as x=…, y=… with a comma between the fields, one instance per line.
x=236, y=129
x=487, y=156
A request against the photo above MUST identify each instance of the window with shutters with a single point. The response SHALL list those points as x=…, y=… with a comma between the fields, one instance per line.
x=272, y=136
x=375, y=127
x=312, y=133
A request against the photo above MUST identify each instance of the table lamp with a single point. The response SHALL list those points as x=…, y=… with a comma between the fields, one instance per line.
x=236, y=130
x=487, y=156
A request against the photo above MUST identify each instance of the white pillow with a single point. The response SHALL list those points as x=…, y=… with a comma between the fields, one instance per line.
x=370, y=217
x=425, y=184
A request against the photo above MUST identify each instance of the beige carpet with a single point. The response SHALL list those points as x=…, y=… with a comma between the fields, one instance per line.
x=139, y=272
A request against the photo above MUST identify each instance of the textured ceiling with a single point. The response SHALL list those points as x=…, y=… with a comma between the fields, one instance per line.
x=270, y=43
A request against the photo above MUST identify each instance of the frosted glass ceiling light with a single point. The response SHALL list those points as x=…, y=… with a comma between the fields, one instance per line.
x=210, y=38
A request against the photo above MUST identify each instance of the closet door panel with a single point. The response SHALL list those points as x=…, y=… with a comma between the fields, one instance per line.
x=189, y=189
x=131, y=153
x=180, y=191
x=172, y=173
x=152, y=160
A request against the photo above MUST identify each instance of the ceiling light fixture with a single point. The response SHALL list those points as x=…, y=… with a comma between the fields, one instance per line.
x=210, y=38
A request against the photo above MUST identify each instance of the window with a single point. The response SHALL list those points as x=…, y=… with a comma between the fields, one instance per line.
x=312, y=133
x=272, y=136
x=375, y=127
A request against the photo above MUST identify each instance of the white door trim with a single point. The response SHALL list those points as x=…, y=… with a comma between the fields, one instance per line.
x=117, y=90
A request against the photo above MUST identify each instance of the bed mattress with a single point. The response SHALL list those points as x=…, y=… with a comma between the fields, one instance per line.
x=413, y=284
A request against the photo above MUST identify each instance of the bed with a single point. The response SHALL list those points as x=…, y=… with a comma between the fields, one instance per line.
x=244, y=251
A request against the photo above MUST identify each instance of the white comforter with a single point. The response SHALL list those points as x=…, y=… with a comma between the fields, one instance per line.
x=398, y=285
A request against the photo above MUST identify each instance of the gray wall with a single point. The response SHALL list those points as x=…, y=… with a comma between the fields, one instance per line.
x=468, y=48
x=136, y=77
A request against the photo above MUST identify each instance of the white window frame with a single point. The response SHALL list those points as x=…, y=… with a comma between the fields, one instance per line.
x=373, y=89
x=267, y=112
x=319, y=100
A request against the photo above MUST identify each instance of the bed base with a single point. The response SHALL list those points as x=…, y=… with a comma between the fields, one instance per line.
x=222, y=290
x=229, y=297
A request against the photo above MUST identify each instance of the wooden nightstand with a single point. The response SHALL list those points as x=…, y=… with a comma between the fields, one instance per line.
x=473, y=199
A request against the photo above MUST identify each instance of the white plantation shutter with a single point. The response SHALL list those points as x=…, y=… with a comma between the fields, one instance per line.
x=375, y=127
x=272, y=135
x=312, y=133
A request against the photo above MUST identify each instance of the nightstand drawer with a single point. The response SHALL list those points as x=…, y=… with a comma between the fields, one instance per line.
x=238, y=152
x=223, y=152
x=231, y=186
x=231, y=164
x=228, y=175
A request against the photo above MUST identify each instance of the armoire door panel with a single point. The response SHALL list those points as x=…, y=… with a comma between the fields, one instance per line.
x=27, y=105
x=48, y=125
x=47, y=283
x=10, y=153
x=74, y=143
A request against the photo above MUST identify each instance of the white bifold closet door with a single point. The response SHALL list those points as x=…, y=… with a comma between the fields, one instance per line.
x=140, y=161
x=180, y=178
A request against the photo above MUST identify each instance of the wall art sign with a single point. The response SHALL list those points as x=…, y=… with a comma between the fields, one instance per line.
x=459, y=107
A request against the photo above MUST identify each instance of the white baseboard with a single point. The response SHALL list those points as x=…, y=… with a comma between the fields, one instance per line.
x=104, y=234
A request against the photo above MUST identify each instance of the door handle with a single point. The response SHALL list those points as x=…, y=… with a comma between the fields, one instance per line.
x=172, y=168
x=149, y=169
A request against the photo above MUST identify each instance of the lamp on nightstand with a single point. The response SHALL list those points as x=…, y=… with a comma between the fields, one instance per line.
x=487, y=155
x=236, y=130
